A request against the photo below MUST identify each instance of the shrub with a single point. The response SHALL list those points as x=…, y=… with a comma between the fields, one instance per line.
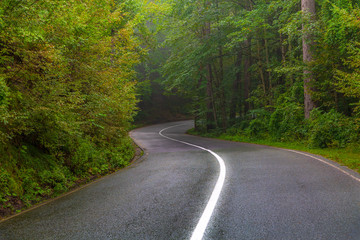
x=53, y=178
x=7, y=185
x=83, y=156
x=31, y=188
x=331, y=129
x=286, y=122
x=120, y=156
x=257, y=128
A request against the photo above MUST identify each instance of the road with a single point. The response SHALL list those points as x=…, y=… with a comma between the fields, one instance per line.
x=268, y=193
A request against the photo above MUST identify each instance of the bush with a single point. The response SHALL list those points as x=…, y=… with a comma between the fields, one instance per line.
x=259, y=125
x=331, y=129
x=286, y=122
x=257, y=128
x=234, y=131
x=83, y=155
x=31, y=188
x=120, y=156
x=7, y=185
x=55, y=179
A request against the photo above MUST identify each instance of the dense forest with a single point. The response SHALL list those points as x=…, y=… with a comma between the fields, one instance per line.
x=67, y=94
x=287, y=67
x=75, y=74
x=286, y=70
x=274, y=70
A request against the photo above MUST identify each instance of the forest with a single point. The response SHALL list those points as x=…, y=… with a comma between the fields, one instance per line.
x=283, y=73
x=67, y=94
x=75, y=75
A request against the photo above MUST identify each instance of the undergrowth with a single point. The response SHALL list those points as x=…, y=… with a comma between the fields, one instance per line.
x=29, y=175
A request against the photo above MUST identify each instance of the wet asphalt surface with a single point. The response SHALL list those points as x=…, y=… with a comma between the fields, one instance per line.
x=268, y=193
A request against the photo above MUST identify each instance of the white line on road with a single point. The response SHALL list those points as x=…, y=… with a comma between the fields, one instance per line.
x=209, y=209
x=323, y=161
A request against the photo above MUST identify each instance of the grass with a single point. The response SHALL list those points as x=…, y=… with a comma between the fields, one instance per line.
x=349, y=156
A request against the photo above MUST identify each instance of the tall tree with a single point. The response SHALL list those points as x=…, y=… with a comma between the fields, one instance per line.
x=308, y=9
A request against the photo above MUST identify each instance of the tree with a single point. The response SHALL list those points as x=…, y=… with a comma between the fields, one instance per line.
x=308, y=8
x=67, y=91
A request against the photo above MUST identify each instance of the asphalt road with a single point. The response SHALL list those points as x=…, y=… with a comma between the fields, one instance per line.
x=268, y=193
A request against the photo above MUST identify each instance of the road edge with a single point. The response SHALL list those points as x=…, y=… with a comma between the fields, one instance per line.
x=334, y=164
x=134, y=160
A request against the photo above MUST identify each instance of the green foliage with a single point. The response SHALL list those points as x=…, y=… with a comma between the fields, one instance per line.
x=209, y=43
x=31, y=188
x=287, y=120
x=256, y=128
x=4, y=94
x=84, y=154
x=67, y=92
x=348, y=80
x=55, y=178
x=121, y=154
x=331, y=129
x=285, y=123
x=7, y=186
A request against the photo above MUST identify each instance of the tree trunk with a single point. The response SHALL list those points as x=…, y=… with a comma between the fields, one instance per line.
x=209, y=105
x=247, y=64
x=260, y=67
x=308, y=7
x=236, y=85
x=222, y=91
x=291, y=53
x=197, y=102
x=283, y=57
x=211, y=116
x=266, y=45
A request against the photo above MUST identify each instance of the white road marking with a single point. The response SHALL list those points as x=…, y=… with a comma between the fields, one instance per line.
x=209, y=209
x=323, y=161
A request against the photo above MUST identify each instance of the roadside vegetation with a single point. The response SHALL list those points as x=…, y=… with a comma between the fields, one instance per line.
x=67, y=95
x=276, y=72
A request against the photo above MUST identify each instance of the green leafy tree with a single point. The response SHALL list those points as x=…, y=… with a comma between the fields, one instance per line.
x=67, y=91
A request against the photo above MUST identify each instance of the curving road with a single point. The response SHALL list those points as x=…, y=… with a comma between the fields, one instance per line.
x=268, y=193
